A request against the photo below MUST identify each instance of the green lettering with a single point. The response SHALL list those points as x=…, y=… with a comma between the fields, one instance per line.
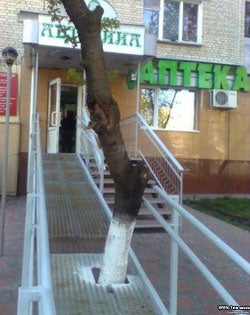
x=121, y=38
x=205, y=76
x=73, y=32
x=147, y=73
x=135, y=40
x=47, y=30
x=220, y=77
x=187, y=68
x=241, y=80
x=61, y=31
x=171, y=67
x=108, y=37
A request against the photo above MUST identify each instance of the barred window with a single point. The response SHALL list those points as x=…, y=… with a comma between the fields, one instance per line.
x=174, y=20
x=168, y=108
x=247, y=19
x=151, y=16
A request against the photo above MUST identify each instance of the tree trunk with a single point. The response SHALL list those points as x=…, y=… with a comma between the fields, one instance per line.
x=130, y=180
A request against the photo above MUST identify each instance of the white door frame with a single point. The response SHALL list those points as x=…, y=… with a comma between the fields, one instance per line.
x=54, y=120
x=54, y=116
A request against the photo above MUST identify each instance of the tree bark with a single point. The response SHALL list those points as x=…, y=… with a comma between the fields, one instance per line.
x=130, y=180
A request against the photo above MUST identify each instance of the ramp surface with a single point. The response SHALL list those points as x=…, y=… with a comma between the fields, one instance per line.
x=76, y=291
x=77, y=230
x=76, y=220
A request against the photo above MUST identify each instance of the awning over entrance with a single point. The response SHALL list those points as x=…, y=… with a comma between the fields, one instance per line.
x=124, y=46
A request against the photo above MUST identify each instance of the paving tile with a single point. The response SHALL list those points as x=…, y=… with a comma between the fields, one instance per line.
x=195, y=296
x=11, y=262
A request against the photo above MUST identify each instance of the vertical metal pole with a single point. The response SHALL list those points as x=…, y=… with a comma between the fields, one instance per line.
x=102, y=175
x=5, y=160
x=138, y=86
x=174, y=265
x=137, y=107
x=33, y=109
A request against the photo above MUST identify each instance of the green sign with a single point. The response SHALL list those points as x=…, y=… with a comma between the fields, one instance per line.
x=127, y=39
x=194, y=74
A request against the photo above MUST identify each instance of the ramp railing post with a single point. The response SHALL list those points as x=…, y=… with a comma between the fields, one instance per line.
x=174, y=264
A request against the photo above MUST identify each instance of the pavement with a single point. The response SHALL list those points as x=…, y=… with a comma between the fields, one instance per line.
x=195, y=296
x=11, y=261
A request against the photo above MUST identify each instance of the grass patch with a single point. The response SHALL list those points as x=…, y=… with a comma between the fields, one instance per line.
x=231, y=210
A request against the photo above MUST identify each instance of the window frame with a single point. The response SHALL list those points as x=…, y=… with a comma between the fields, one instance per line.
x=247, y=2
x=156, y=107
x=180, y=22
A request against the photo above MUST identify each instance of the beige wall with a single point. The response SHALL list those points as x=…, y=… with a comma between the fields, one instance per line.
x=126, y=98
x=222, y=134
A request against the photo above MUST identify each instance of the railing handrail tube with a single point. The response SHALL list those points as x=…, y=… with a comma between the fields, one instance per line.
x=39, y=287
x=162, y=146
x=90, y=140
x=153, y=293
x=146, y=144
x=197, y=262
x=227, y=250
x=156, y=139
x=94, y=147
x=46, y=279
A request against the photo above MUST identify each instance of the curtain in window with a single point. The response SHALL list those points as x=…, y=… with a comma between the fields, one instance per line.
x=190, y=14
x=171, y=20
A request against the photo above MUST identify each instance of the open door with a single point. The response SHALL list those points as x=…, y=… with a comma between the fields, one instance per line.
x=54, y=116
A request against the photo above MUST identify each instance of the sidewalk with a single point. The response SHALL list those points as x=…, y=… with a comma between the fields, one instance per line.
x=11, y=262
x=196, y=297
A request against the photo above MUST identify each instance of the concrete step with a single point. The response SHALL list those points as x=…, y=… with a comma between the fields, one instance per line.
x=147, y=225
x=111, y=190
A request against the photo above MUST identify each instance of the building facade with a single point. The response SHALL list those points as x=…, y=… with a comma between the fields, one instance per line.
x=183, y=65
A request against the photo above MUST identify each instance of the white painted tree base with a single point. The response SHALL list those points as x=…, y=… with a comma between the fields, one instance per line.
x=115, y=260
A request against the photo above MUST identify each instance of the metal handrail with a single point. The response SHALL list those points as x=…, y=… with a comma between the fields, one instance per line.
x=36, y=284
x=134, y=140
x=142, y=141
x=146, y=281
x=177, y=242
x=90, y=150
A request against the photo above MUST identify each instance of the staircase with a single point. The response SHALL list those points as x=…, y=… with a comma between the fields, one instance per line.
x=145, y=220
x=142, y=144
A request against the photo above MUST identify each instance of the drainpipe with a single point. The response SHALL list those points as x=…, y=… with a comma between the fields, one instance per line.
x=33, y=109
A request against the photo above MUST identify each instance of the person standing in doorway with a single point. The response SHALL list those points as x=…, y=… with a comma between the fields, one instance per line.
x=68, y=130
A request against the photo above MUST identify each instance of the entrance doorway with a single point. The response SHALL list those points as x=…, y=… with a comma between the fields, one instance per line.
x=68, y=109
x=62, y=112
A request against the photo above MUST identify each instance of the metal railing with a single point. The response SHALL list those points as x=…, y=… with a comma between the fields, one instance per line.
x=172, y=228
x=35, y=296
x=142, y=141
x=90, y=151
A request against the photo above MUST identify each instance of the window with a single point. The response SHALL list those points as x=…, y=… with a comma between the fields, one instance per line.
x=247, y=19
x=151, y=16
x=168, y=108
x=173, y=20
